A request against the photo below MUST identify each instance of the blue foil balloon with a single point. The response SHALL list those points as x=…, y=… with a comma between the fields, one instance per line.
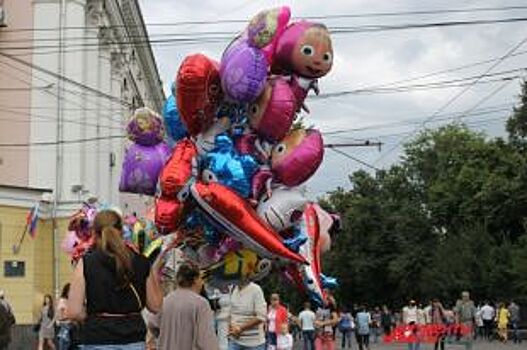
x=328, y=282
x=226, y=166
x=294, y=242
x=174, y=126
x=197, y=220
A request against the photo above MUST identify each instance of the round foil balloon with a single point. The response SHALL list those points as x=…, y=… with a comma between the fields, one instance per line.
x=198, y=90
x=243, y=71
x=141, y=168
x=145, y=127
x=297, y=157
x=272, y=114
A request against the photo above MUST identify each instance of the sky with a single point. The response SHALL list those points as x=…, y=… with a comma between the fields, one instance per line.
x=371, y=59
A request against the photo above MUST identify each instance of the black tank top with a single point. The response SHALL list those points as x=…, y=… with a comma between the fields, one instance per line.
x=105, y=296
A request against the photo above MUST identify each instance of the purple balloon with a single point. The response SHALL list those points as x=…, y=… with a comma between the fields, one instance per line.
x=243, y=71
x=145, y=127
x=141, y=168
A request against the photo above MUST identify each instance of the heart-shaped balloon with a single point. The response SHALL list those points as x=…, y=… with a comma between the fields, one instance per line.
x=198, y=90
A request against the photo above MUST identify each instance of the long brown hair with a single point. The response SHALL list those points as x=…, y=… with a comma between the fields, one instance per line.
x=108, y=227
x=51, y=308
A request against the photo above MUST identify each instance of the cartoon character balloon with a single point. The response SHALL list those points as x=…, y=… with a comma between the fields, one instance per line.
x=145, y=127
x=226, y=166
x=272, y=114
x=297, y=157
x=198, y=88
x=304, y=49
x=283, y=209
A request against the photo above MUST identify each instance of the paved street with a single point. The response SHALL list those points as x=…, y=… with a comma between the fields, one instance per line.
x=476, y=346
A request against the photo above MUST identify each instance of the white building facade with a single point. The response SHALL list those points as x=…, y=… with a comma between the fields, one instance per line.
x=73, y=74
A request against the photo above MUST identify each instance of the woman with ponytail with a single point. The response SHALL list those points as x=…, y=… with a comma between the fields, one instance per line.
x=110, y=287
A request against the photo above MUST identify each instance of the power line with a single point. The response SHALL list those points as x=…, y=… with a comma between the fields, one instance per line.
x=456, y=96
x=54, y=143
x=422, y=86
x=355, y=159
x=334, y=31
x=317, y=17
x=107, y=116
x=484, y=99
x=65, y=79
x=412, y=121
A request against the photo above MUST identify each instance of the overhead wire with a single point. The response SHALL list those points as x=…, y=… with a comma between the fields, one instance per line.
x=67, y=99
x=309, y=17
x=334, y=31
x=456, y=96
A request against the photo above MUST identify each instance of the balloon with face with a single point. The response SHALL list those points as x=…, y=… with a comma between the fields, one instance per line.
x=272, y=114
x=304, y=49
x=283, y=209
x=297, y=157
x=145, y=127
x=198, y=88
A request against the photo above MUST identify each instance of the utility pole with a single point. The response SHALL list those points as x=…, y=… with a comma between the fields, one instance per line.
x=366, y=143
x=59, y=151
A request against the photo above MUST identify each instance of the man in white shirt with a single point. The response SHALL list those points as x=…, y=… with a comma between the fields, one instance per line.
x=410, y=317
x=487, y=314
x=306, y=320
x=247, y=316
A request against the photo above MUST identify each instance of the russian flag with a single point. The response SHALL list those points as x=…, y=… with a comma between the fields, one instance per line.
x=32, y=221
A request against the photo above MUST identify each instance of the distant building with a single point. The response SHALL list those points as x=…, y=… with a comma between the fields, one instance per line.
x=72, y=72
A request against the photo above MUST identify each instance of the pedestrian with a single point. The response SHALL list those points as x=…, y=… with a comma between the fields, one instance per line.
x=247, y=317
x=276, y=316
x=478, y=324
x=421, y=315
x=514, y=311
x=502, y=318
x=386, y=320
x=284, y=340
x=186, y=319
x=346, y=327
x=410, y=320
x=222, y=318
x=487, y=315
x=46, y=334
x=438, y=319
x=326, y=319
x=465, y=312
x=306, y=320
x=65, y=335
x=110, y=287
x=363, y=328
x=7, y=321
x=376, y=317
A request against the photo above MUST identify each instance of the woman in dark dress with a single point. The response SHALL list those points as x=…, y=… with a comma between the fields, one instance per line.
x=110, y=287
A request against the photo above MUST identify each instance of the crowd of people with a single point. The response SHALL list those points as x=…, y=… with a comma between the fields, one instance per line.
x=117, y=301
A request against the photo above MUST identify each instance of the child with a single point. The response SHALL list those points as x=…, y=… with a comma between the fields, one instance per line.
x=284, y=340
